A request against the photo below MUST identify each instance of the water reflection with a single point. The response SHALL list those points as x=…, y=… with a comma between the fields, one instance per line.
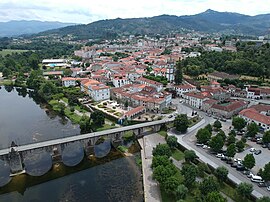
x=4, y=173
x=73, y=154
x=38, y=163
x=24, y=122
x=103, y=148
x=114, y=181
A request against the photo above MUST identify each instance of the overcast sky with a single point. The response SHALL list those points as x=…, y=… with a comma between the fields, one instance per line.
x=86, y=11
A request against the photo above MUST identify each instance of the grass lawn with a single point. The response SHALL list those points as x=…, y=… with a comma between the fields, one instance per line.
x=4, y=52
x=106, y=127
x=194, y=121
x=178, y=155
x=65, y=100
x=6, y=82
x=80, y=109
x=72, y=116
x=163, y=133
x=232, y=193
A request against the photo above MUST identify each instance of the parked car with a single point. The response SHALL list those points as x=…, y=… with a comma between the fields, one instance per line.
x=250, y=175
x=268, y=188
x=240, y=167
x=220, y=155
x=258, y=152
x=229, y=161
x=252, y=149
x=199, y=144
x=224, y=158
x=234, y=165
x=264, y=146
x=205, y=147
x=262, y=184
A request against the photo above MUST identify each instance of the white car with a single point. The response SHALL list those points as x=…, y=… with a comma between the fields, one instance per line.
x=268, y=188
x=220, y=155
x=205, y=147
x=252, y=149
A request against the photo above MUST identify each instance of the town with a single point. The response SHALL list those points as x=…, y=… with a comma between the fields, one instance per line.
x=220, y=117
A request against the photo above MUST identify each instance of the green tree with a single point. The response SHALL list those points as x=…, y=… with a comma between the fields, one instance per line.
x=232, y=133
x=244, y=189
x=7, y=72
x=252, y=129
x=249, y=161
x=85, y=124
x=162, y=173
x=172, y=141
x=181, y=192
x=264, y=199
x=230, y=139
x=33, y=61
x=190, y=155
x=67, y=72
x=266, y=137
x=160, y=161
x=47, y=89
x=217, y=124
x=240, y=145
x=181, y=123
x=203, y=135
x=189, y=172
x=171, y=184
x=221, y=133
x=215, y=197
x=209, y=128
x=178, y=77
x=97, y=118
x=238, y=123
x=216, y=143
x=231, y=150
x=266, y=172
x=162, y=150
x=222, y=173
x=208, y=185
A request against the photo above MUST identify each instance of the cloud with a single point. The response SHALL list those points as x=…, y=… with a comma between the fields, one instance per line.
x=86, y=11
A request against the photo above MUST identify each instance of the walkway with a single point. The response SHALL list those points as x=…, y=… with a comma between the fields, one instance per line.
x=151, y=187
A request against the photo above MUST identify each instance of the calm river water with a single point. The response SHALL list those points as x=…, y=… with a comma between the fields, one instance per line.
x=24, y=120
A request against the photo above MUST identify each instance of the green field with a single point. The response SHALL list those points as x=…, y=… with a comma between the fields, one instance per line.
x=4, y=52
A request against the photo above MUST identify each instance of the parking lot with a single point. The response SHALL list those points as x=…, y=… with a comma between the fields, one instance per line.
x=261, y=159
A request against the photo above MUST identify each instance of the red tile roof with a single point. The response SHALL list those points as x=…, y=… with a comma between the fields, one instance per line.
x=256, y=116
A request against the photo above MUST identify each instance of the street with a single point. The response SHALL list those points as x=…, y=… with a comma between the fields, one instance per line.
x=188, y=140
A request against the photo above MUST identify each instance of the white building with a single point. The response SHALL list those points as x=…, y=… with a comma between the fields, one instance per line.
x=119, y=81
x=96, y=90
x=68, y=81
x=194, y=99
x=185, y=88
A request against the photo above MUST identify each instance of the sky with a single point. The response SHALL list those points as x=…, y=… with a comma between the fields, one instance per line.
x=87, y=11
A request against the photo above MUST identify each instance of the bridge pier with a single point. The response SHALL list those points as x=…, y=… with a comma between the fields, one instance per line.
x=15, y=161
x=156, y=128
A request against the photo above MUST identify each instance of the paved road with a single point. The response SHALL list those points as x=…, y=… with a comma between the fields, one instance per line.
x=187, y=140
x=151, y=187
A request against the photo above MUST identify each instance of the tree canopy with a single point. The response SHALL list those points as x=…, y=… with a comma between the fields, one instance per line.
x=181, y=123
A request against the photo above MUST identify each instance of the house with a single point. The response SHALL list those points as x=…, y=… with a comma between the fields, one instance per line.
x=253, y=93
x=227, y=110
x=142, y=95
x=158, y=86
x=120, y=80
x=96, y=90
x=252, y=115
x=184, y=88
x=68, y=81
x=215, y=76
x=135, y=112
x=194, y=99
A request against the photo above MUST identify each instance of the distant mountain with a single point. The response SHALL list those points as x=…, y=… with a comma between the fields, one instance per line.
x=16, y=28
x=209, y=21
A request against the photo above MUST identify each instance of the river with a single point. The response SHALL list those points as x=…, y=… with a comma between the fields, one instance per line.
x=23, y=119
